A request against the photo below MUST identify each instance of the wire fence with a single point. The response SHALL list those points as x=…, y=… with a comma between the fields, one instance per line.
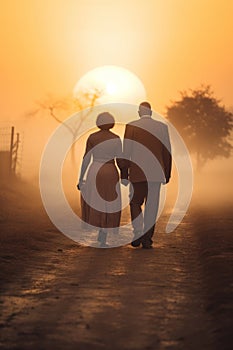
x=5, y=138
x=9, y=151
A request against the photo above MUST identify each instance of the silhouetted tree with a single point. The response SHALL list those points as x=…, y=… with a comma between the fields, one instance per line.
x=204, y=124
x=58, y=107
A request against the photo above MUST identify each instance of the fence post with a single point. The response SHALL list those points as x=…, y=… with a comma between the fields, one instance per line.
x=15, y=153
x=11, y=147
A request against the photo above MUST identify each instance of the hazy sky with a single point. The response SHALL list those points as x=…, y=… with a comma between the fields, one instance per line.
x=172, y=45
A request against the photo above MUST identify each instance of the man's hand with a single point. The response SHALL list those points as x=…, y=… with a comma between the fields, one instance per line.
x=124, y=182
x=166, y=181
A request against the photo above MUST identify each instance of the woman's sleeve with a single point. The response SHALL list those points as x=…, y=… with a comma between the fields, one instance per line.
x=86, y=158
x=120, y=161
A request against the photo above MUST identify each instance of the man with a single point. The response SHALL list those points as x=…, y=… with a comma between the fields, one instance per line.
x=148, y=152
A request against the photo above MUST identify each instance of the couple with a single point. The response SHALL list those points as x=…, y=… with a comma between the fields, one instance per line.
x=144, y=163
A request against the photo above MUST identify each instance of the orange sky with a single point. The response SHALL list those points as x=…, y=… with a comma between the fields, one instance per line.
x=47, y=45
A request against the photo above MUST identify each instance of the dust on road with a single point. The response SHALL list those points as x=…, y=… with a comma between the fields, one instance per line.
x=57, y=294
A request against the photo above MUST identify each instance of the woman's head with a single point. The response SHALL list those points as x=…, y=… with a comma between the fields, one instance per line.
x=105, y=121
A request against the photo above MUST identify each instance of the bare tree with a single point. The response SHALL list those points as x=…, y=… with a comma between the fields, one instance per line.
x=55, y=107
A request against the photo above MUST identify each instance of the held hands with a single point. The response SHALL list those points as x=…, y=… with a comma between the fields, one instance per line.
x=124, y=182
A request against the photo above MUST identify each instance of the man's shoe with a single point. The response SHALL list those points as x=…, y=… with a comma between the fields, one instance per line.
x=147, y=246
x=104, y=245
x=136, y=243
x=136, y=239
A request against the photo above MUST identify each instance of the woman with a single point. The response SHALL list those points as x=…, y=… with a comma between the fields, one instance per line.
x=100, y=193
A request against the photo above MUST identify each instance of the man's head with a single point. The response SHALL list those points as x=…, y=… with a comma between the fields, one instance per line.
x=144, y=109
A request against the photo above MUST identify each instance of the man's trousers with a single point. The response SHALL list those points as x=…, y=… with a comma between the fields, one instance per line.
x=144, y=193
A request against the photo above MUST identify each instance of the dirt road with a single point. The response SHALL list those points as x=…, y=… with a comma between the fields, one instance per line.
x=56, y=294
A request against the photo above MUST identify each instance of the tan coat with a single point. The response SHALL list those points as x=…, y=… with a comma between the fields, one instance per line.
x=100, y=196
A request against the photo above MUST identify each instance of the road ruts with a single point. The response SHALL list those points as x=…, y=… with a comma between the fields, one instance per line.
x=123, y=298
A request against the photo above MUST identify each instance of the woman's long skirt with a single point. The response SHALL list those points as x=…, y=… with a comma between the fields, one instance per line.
x=101, y=197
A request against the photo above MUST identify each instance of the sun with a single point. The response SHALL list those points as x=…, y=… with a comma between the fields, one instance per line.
x=113, y=84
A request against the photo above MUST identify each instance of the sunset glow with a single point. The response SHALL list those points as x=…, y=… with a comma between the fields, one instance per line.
x=113, y=84
x=116, y=167
x=170, y=45
x=48, y=46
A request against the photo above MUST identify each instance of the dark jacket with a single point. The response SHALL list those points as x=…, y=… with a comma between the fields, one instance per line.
x=148, y=151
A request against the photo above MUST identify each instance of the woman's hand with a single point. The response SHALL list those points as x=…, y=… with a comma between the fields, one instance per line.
x=80, y=184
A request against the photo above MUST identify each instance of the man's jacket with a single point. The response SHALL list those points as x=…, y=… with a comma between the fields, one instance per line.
x=147, y=149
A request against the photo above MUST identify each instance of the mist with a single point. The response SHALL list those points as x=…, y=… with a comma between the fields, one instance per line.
x=212, y=185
